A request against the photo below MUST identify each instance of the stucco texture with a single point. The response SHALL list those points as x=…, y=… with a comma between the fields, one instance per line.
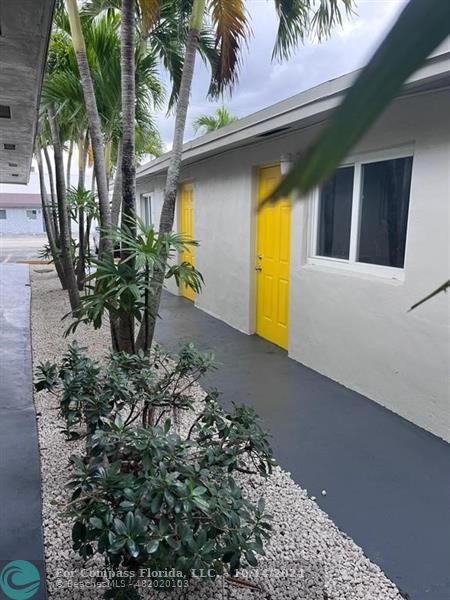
x=350, y=325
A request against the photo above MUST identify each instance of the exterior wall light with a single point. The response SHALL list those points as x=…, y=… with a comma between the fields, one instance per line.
x=285, y=163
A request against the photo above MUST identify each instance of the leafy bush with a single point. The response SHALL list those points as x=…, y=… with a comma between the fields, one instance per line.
x=136, y=386
x=146, y=495
x=123, y=290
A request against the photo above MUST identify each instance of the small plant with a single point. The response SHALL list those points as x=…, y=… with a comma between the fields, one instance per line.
x=149, y=496
x=138, y=387
x=123, y=290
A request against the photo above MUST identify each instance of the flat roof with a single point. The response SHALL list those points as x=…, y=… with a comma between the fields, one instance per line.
x=25, y=27
x=20, y=200
x=308, y=107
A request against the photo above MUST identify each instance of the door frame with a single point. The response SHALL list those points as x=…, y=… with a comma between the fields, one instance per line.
x=256, y=169
x=178, y=213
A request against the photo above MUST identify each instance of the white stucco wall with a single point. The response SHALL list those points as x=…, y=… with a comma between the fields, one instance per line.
x=17, y=221
x=353, y=327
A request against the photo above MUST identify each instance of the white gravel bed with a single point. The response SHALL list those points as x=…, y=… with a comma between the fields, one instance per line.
x=308, y=557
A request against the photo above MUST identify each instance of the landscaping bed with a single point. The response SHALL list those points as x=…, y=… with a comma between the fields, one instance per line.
x=307, y=557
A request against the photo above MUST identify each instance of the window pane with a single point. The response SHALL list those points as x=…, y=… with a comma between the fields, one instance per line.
x=335, y=215
x=3, y=213
x=146, y=211
x=384, y=212
x=31, y=214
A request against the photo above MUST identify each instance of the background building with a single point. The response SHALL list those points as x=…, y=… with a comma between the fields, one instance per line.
x=21, y=213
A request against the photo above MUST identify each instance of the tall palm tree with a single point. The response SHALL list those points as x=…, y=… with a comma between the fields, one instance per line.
x=63, y=215
x=93, y=120
x=209, y=123
x=48, y=209
x=127, y=166
x=103, y=49
x=297, y=19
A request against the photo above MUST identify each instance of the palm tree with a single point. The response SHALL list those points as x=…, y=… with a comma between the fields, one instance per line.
x=48, y=209
x=229, y=19
x=93, y=120
x=209, y=123
x=127, y=164
x=103, y=48
x=63, y=215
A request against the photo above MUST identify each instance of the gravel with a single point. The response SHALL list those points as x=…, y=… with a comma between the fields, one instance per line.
x=308, y=557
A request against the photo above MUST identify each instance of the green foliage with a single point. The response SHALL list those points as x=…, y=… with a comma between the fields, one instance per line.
x=130, y=388
x=62, y=86
x=81, y=199
x=144, y=495
x=209, y=123
x=123, y=287
x=298, y=19
x=420, y=28
x=153, y=499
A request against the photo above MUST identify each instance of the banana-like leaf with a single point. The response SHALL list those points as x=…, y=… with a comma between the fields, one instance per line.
x=440, y=289
x=420, y=28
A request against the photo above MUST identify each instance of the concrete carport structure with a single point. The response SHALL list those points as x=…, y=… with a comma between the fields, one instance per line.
x=24, y=34
x=25, y=27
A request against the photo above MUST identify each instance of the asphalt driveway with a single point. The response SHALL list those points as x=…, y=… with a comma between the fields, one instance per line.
x=20, y=476
x=387, y=481
x=20, y=247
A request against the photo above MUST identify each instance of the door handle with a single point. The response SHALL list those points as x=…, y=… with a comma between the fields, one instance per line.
x=258, y=268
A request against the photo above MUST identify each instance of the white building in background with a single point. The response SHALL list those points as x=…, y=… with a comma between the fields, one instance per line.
x=330, y=277
x=21, y=213
x=20, y=205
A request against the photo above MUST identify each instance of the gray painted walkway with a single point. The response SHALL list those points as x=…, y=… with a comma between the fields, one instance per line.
x=20, y=481
x=387, y=481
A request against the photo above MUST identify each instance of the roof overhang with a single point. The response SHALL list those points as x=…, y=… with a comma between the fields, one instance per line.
x=25, y=27
x=297, y=112
x=20, y=200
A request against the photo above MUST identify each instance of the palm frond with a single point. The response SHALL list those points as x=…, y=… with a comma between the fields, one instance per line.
x=420, y=28
x=149, y=13
x=208, y=123
x=230, y=22
x=298, y=19
x=439, y=290
x=94, y=8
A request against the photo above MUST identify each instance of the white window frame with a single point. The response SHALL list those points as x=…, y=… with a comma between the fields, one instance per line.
x=351, y=264
x=147, y=198
x=33, y=211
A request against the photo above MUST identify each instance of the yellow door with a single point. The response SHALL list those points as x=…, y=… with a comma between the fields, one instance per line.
x=272, y=262
x=186, y=206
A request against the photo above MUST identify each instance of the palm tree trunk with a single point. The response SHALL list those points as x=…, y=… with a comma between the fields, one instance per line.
x=47, y=219
x=64, y=223
x=108, y=152
x=174, y=170
x=69, y=163
x=116, y=202
x=127, y=165
x=128, y=171
x=94, y=122
x=87, y=240
x=52, y=193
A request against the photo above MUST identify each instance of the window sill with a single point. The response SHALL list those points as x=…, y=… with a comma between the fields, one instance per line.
x=367, y=271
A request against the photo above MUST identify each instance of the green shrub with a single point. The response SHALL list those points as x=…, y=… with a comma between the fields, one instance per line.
x=136, y=386
x=146, y=494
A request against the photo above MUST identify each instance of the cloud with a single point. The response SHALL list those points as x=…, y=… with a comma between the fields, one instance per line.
x=263, y=82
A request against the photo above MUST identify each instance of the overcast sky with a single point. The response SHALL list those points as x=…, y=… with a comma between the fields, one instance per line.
x=262, y=82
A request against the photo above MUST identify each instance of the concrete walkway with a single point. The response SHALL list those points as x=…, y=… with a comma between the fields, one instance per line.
x=20, y=480
x=387, y=481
